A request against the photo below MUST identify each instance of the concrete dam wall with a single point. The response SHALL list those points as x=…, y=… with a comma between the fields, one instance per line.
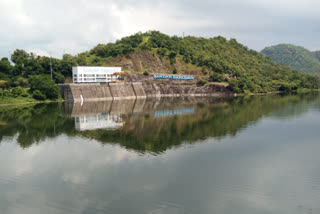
x=137, y=90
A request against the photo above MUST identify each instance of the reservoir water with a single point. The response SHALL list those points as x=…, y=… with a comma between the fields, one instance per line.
x=243, y=155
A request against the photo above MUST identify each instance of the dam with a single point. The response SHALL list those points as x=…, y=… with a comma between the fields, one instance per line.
x=140, y=87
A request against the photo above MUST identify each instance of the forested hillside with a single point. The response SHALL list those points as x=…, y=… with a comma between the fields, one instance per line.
x=215, y=59
x=296, y=57
x=224, y=60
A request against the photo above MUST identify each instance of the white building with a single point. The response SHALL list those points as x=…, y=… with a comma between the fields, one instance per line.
x=88, y=74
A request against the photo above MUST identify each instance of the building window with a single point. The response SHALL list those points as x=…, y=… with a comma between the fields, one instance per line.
x=101, y=79
x=88, y=75
x=89, y=79
x=100, y=75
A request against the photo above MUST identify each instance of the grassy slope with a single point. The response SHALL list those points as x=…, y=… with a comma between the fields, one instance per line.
x=15, y=100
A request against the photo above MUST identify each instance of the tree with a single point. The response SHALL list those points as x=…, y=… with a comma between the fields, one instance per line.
x=58, y=78
x=5, y=67
x=19, y=56
x=45, y=85
x=215, y=77
x=172, y=57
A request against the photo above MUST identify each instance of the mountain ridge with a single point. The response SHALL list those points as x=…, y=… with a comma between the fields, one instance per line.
x=295, y=57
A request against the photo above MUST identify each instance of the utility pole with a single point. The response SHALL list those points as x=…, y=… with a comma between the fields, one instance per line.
x=22, y=66
x=50, y=67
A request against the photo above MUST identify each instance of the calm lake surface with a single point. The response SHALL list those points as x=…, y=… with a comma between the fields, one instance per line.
x=243, y=156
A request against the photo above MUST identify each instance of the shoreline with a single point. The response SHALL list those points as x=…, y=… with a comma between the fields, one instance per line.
x=167, y=95
x=34, y=102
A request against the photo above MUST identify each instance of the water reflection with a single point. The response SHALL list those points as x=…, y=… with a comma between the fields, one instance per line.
x=110, y=115
x=95, y=115
x=152, y=125
x=253, y=155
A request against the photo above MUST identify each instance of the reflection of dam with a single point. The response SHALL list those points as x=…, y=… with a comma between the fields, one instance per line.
x=114, y=114
x=98, y=121
x=100, y=115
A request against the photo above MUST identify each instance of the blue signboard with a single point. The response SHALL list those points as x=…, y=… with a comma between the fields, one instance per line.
x=173, y=77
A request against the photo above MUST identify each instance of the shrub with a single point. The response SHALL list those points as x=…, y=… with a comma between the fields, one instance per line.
x=146, y=73
x=215, y=77
x=3, y=83
x=202, y=82
x=145, y=46
x=162, y=51
x=24, y=93
x=45, y=85
x=172, y=57
x=234, y=86
x=18, y=91
x=38, y=95
x=204, y=72
x=174, y=71
x=21, y=82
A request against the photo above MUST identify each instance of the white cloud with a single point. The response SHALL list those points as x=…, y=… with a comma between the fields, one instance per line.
x=39, y=52
x=58, y=27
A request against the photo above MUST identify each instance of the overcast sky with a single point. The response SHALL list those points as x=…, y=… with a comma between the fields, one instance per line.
x=72, y=26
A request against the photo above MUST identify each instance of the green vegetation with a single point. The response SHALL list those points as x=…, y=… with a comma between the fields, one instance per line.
x=215, y=59
x=44, y=85
x=29, y=78
x=297, y=58
x=174, y=71
x=245, y=70
x=15, y=100
x=202, y=82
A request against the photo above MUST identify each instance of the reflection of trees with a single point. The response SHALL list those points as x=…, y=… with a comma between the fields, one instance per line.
x=158, y=134
x=34, y=123
x=144, y=132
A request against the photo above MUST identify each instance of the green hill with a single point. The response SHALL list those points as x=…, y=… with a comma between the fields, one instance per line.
x=215, y=59
x=223, y=60
x=296, y=57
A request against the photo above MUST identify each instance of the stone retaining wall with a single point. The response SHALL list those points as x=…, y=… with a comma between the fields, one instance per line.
x=133, y=90
x=139, y=90
x=122, y=91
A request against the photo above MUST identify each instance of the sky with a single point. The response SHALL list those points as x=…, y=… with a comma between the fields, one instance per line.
x=55, y=27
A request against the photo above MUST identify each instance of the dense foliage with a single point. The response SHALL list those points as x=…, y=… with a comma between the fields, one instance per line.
x=34, y=72
x=45, y=85
x=246, y=70
x=298, y=58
